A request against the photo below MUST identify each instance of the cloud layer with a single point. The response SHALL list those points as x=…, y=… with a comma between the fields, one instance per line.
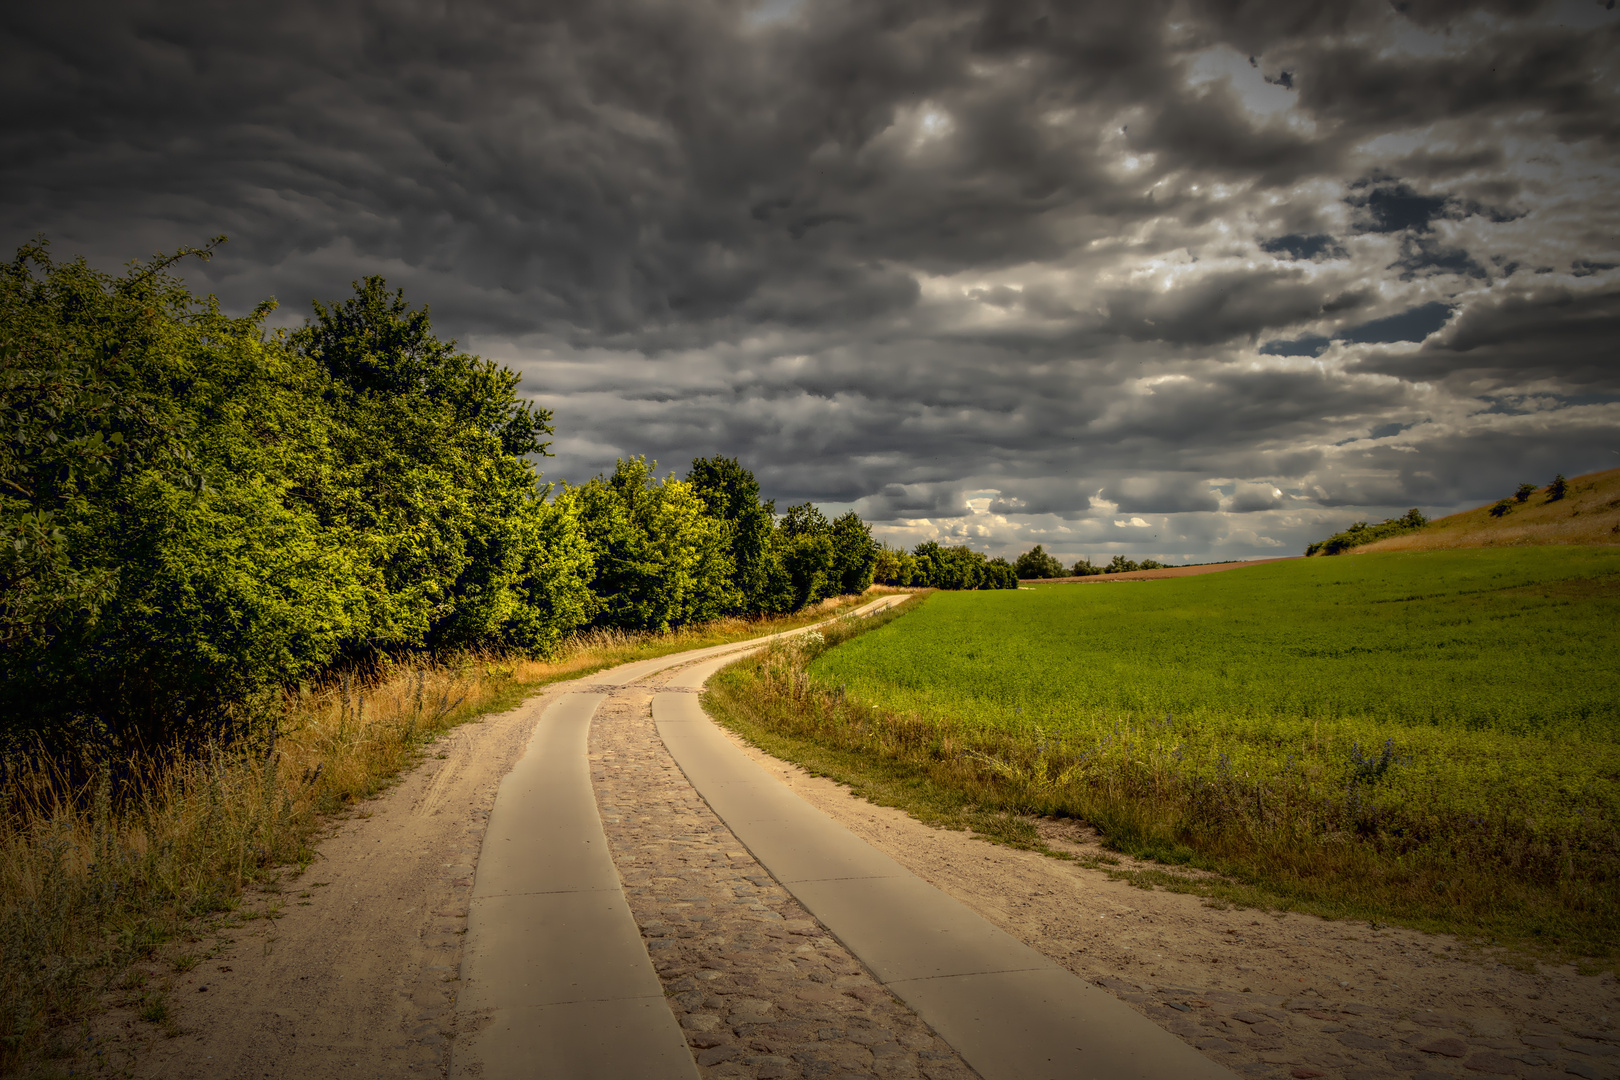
x=1174, y=279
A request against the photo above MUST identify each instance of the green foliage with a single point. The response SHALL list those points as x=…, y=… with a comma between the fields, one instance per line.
x=198, y=514
x=1524, y=492
x=937, y=566
x=1363, y=533
x=1036, y=563
x=1558, y=488
x=1083, y=568
x=1121, y=565
x=731, y=494
x=854, y=554
x=804, y=544
x=893, y=566
x=661, y=560
x=1501, y=507
x=201, y=513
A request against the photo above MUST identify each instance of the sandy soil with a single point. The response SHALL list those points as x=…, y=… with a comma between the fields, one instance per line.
x=1193, y=967
x=1153, y=575
x=353, y=973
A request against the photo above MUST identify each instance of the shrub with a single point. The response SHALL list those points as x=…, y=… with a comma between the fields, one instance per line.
x=1558, y=488
x=1501, y=507
x=1524, y=492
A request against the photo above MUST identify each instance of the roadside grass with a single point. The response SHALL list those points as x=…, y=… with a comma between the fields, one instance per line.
x=1429, y=740
x=97, y=875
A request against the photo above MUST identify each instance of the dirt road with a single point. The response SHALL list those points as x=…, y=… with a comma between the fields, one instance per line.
x=355, y=973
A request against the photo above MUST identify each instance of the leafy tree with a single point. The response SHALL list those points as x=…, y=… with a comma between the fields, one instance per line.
x=429, y=469
x=940, y=567
x=660, y=560
x=893, y=566
x=1524, y=492
x=731, y=494
x=1036, y=563
x=804, y=543
x=1000, y=574
x=1121, y=565
x=854, y=553
x=162, y=566
x=1558, y=488
x=1083, y=568
x=1501, y=507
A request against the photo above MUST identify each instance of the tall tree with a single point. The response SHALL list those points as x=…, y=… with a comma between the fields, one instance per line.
x=732, y=495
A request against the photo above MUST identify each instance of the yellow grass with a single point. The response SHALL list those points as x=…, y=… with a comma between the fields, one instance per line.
x=1589, y=514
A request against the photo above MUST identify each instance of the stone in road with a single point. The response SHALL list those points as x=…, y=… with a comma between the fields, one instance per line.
x=758, y=986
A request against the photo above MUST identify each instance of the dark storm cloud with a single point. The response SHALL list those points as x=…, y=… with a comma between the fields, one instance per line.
x=981, y=268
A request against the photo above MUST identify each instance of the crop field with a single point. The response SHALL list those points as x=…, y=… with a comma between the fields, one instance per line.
x=1429, y=737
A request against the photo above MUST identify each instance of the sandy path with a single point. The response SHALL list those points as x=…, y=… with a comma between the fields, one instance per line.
x=1266, y=994
x=355, y=977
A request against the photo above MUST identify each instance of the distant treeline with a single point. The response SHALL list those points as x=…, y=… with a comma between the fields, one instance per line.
x=1038, y=563
x=936, y=566
x=198, y=512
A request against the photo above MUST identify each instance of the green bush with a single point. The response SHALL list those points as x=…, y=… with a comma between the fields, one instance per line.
x=1036, y=563
x=1363, y=533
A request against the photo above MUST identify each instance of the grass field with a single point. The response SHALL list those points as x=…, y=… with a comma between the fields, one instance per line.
x=1430, y=738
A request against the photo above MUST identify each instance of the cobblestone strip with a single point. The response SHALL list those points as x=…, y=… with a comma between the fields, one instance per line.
x=759, y=987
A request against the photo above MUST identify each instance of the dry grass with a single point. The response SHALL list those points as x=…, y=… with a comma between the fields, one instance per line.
x=98, y=874
x=1589, y=514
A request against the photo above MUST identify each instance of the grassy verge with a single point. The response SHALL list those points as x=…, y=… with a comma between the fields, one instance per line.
x=1485, y=834
x=93, y=878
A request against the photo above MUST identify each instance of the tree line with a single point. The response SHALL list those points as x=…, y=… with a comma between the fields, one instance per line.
x=199, y=512
x=1038, y=563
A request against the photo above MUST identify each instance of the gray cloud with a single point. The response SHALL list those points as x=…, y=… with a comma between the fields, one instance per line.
x=1007, y=272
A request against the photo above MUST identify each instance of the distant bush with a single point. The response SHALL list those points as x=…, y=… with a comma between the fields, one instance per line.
x=1120, y=565
x=1036, y=563
x=1362, y=533
x=1524, y=492
x=1501, y=507
x=1558, y=488
x=1083, y=568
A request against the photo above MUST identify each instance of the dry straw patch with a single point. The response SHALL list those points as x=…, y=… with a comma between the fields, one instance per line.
x=95, y=874
x=1589, y=514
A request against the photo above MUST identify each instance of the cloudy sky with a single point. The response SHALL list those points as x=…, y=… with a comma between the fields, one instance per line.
x=1191, y=280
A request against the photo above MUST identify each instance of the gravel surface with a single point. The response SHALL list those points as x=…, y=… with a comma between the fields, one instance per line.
x=756, y=983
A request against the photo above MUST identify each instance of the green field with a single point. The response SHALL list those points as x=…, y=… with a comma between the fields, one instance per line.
x=1431, y=737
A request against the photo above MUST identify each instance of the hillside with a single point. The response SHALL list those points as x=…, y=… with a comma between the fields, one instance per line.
x=1589, y=514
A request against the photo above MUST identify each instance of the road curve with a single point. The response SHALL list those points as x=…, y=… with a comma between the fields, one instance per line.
x=556, y=967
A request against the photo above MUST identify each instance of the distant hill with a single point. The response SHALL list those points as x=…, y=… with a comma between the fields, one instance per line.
x=1588, y=514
